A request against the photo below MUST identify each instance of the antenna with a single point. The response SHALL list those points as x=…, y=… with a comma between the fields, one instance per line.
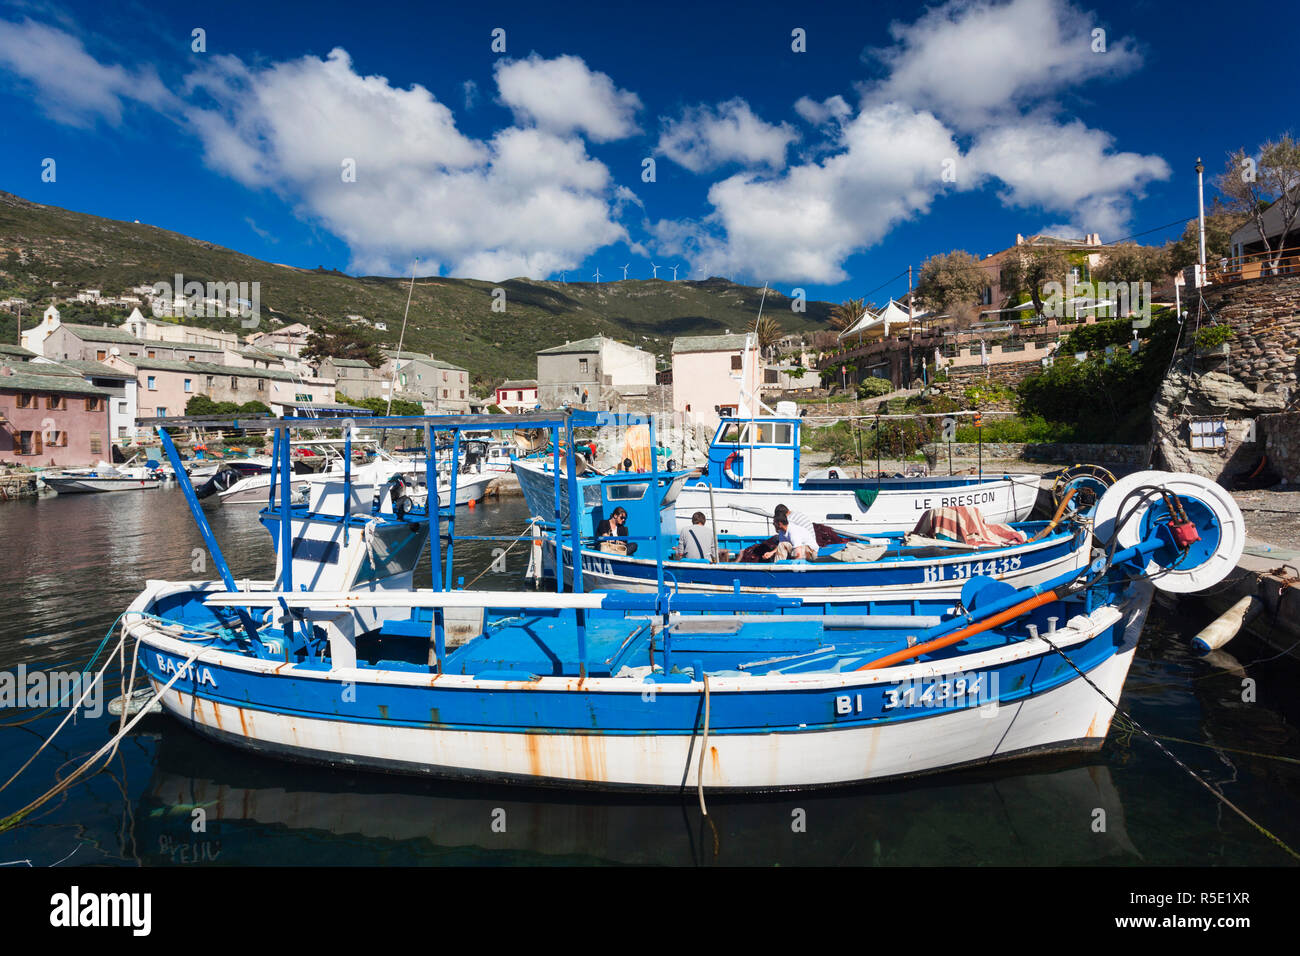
x=401, y=339
x=625, y=271
x=597, y=275
x=675, y=273
x=655, y=270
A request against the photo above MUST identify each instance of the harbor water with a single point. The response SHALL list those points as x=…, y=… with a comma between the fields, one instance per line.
x=70, y=565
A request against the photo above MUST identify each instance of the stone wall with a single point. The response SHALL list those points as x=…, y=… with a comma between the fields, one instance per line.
x=1129, y=456
x=1005, y=373
x=1265, y=316
x=1254, y=382
x=1281, y=435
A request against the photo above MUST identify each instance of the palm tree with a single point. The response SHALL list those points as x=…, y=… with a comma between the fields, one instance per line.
x=846, y=313
x=769, y=333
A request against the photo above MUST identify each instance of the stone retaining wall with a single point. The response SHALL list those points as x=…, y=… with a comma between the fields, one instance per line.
x=1063, y=452
x=1264, y=314
x=1281, y=434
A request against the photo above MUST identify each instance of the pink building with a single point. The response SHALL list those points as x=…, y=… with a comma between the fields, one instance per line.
x=164, y=388
x=51, y=419
x=712, y=372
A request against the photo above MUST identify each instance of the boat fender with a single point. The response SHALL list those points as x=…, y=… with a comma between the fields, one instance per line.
x=726, y=467
x=1226, y=626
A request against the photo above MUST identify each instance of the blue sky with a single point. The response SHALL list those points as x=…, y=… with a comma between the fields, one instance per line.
x=898, y=133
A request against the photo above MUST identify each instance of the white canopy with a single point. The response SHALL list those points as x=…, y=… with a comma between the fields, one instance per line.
x=892, y=314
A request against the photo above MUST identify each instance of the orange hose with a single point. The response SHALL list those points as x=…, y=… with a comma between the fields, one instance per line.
x=955, y=637
x=1056, y=518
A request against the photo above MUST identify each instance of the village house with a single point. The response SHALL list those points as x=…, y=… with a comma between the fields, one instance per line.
x=517, y=395
x=1089, y=252
x=142, y=328
x=290, y=338
x=51, y=418
x=66, y=341
x=585, y=372
x=439, y=384
x=715, y=375
x=165, y=387
x=120, y=385
x=355, y=378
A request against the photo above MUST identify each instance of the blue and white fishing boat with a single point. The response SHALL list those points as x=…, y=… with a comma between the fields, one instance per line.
x=753, y=466
x=339, y=661
x=873, y=567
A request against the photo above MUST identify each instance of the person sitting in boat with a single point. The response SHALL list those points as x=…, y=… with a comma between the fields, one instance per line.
x=794, y=517
x=793, y=541
x=822, y=534
x=615, y=526
x=697, y=543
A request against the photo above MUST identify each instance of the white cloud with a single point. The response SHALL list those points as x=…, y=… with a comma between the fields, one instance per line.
x=967, y=67
x=1065, y=168
x=563, y=95
x=704, y=138
x=969, y=59
x=527, y=202
x=833, y=109
x=804, y=224
x=72, y=86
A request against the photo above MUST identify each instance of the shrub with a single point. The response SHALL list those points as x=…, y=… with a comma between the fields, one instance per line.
x=1212, y=335
x=875, y=387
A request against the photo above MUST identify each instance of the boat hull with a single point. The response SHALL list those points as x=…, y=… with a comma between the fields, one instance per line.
x=1019, y=566
x=86, y=486
x=766, y=732
x=896, y=508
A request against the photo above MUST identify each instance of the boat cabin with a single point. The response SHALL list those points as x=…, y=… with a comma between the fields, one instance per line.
x=754, y=452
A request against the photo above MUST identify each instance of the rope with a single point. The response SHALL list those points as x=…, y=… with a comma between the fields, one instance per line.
x=704, y=746
x=527, y=533
x=110, y=747
x=1165, y=750
x=1231, y=750
x=71, y=711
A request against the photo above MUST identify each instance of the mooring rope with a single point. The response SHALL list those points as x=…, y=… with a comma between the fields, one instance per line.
x=17, y=816
x=527, y=532
x=1165, y=750
x=704, y=746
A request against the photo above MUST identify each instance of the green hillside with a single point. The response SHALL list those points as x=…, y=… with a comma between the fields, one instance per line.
x=451, y=318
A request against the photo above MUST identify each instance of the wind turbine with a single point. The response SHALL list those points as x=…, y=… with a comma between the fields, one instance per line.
x=675, y=273
x=655, y=270
x=597, y=275
x=625, y=272
x=564, y=277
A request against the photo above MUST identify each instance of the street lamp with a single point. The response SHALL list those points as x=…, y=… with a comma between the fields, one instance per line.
x=1200, y=193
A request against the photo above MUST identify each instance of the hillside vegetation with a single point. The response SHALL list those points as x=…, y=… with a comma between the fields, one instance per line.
x=450, y=318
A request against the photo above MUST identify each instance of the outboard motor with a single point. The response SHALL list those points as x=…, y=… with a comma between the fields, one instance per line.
x=224, y=477
x=397, y=489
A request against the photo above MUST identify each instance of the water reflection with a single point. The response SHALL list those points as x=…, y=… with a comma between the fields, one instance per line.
x=318, y=815
x=70, y=566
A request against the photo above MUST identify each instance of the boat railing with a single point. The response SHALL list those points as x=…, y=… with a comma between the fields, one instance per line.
x=561, y=425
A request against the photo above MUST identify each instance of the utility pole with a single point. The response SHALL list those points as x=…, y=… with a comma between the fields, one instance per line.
x=908, y=382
